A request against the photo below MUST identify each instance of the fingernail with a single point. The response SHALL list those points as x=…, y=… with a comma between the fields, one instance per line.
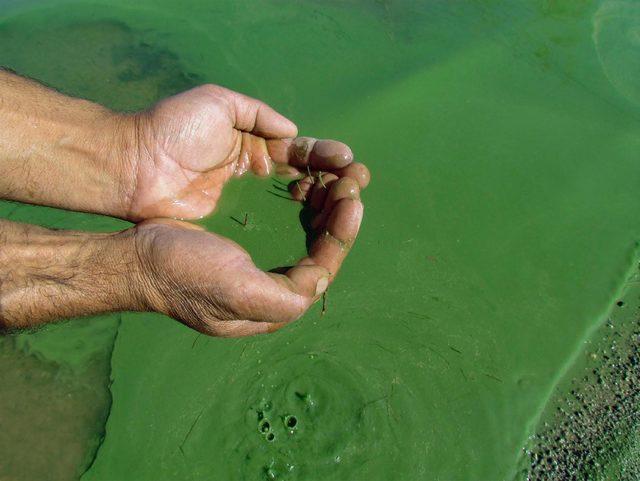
x=322, y=285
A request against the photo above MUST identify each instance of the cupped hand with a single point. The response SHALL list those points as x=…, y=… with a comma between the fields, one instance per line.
x=187, y=147
x=211, y=284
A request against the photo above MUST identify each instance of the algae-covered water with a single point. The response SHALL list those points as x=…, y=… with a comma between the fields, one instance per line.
x=500, y=235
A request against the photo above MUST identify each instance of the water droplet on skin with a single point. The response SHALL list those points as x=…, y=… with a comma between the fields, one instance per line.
x=266, y=166
x=242, y=166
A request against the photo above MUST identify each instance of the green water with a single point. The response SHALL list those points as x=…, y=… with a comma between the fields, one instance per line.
x=501, y=224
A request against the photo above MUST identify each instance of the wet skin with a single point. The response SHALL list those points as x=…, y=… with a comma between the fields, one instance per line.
x=188, y=146
x=169, y=162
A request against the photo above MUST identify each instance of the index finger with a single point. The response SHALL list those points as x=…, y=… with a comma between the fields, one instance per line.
x=308, y=152
x=336, y=239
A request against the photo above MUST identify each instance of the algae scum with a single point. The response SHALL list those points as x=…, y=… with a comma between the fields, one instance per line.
x=591, y=431
x=474, y=333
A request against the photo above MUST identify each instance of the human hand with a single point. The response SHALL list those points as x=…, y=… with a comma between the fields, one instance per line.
x=204, y=280
x=172, y=162
x=211, y=284
x=183, y=151
x=169, y=161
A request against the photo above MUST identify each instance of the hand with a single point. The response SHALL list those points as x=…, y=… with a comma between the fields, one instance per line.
x=173, y=267
x=187, y=147
x=170, y=161
x=173, y=162
x=211, y=284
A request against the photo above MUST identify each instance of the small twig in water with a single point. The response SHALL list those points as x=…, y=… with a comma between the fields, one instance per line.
x=193, y=425
x=324, y=303
x=492, y=376
x=246, y=219
x=277, y=195
x=320, y=179
x=304, y=197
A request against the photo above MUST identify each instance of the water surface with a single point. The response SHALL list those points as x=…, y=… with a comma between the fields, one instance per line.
x=501, y=226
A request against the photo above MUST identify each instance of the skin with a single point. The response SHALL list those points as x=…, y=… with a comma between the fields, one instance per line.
x=154, y=167
x=188, y=146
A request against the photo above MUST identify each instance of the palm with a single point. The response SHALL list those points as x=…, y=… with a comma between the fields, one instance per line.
x=211, y=284
x=192, y=149
x=196, y=265
x=190, y=145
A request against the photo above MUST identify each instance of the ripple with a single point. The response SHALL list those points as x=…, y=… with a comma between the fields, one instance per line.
x=303, y=414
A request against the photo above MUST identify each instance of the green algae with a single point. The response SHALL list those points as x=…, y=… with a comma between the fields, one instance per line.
x=589, y=429
x=500, y=224
x=616, y=34
x=52, y=414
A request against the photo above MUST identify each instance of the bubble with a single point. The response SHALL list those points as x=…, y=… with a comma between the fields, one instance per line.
x=291, y=422
x=325, y=413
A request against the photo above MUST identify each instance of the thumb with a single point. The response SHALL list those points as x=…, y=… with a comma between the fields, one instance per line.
x=258, y=118
x=271, y=297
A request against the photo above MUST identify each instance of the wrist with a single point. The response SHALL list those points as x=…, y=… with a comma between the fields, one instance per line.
x=119, y=152
x=49, y=275
x=64, y=152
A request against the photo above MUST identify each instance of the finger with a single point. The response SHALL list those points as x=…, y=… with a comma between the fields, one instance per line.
x=320, y=190
x=258, y=118
x=243, y=164
x=315, y=188
x=172, y=223
x=344, y=188
x=356, y=171
x=253, y=156
x=308, y=279
x=270, y=297
x=287, y=172
x=299, y=189
x=332, y=246
x=239, y=328
x=329, y=155
x=303, y=152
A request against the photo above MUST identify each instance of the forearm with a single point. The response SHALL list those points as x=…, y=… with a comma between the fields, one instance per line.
x=60, y=151
x=49, y=275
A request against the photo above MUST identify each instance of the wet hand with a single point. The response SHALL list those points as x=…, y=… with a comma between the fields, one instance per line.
x=183, y=151
x=211, y=284
x=171, y=161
